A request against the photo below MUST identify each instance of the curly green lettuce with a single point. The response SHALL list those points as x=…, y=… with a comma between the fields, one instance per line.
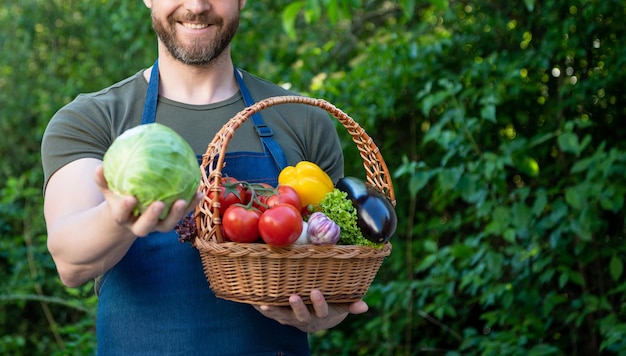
x=339, y=209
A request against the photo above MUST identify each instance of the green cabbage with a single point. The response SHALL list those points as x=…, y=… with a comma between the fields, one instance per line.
x=152, y=163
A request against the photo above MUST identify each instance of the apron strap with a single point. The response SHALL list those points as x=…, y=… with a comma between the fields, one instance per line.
x=152, y=96
x=264, y=131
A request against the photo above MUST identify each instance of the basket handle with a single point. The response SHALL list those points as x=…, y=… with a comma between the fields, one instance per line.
x=375, y=167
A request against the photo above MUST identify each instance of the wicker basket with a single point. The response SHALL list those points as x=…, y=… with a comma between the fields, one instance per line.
x=257, y=273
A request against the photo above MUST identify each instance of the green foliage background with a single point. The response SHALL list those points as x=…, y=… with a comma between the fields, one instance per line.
x=501, y=123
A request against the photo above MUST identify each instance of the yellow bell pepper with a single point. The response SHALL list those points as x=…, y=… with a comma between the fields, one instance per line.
x=309, y=180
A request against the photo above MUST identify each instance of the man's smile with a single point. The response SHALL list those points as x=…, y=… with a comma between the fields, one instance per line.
x=195, y=26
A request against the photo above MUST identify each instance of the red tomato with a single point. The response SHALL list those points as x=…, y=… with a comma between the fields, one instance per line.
x=262, y=191
x=233, y=192
x=241, y=224
x=224, y=237
x=285, y=195
x=281, y=225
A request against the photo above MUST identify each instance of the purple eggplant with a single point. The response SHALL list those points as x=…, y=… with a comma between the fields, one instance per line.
x=377, y=217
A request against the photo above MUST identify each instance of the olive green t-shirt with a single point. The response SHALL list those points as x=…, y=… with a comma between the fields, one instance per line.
x=87, y=126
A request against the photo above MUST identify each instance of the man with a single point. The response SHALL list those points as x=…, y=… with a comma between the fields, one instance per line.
x=153, y=297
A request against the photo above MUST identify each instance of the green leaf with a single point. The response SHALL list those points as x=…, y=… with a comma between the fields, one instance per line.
x=448, y=178
x=509, y=235
x=472, y=189
x=582, y=225
x=430, y=246
x=574, y=196
x=616, y=267
x=527, y=165
x=461, y=251
x=521, y=215
x=501, y=220
x=541, y=201
x=563, y=278
x=611, y=200
x=408, y=7
x=418, y=181
x=433, y=100
x=581, y=165
x=312, y=11
x=568, y=142
x=427, y=262
x=441, y=5
x=488, y=112
x=334, y=13
x=290, y=13
x=584, y=143
x=577, y=278
x=555, y=237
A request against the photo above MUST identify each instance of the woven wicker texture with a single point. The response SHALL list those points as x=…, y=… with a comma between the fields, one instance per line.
x=257, y=273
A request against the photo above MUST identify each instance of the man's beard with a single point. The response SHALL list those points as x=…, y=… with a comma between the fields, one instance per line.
x=196, y=53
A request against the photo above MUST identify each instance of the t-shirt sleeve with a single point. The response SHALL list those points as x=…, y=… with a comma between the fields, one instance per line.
x=76, y=131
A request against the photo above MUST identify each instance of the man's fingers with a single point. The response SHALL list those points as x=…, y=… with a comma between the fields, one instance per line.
x=320, y=307
x=300, y=310
x=146, y=222
x=177, y=211
x=359, y=307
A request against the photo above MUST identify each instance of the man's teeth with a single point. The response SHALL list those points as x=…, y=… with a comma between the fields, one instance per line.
x=196, y=26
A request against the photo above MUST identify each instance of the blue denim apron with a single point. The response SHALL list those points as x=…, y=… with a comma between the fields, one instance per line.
x=157, y=301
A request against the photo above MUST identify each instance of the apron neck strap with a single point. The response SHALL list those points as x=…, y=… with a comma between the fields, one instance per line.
x=265, y=132
x=152, y=96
